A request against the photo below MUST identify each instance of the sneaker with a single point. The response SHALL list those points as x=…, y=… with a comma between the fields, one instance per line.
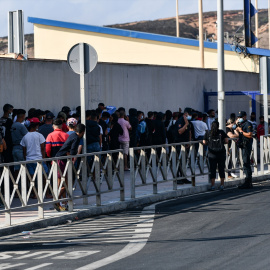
x=234, y=175
x=186, y=181
x=212, y=188
x=180, y=182
x=56, y=206
x=221, y=188
x=230, y=177
x=246, y=186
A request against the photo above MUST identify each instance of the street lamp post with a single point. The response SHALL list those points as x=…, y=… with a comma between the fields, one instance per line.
x=201, y=33
x=221, y=93
x=177, y=19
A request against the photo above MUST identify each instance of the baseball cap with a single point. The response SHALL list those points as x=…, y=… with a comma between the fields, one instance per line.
x=50, y=115
x=72, y=121
x=242, y=114
x=63, y=115
x=34, y=120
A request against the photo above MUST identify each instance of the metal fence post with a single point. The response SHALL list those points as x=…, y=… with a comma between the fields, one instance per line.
x=192, y=164
x=164, y=163
x=55, y=179
x=227, y=161
x=262, y=140
x=143, y=167
x=154, y=169
x=7, y=195
x=97, y=179
x=174, y=173
x=40, y=190
x=23, y=183
x=70, y=185
x=255, y=156
x=132, y=173
x=84, y=178
x=122, y=176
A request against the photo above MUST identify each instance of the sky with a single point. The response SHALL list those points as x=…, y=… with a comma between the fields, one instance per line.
x=105, y=12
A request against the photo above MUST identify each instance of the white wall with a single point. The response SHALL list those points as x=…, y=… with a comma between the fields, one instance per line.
x=51, y=85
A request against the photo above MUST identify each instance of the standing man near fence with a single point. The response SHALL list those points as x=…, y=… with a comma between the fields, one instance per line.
x=245, y=130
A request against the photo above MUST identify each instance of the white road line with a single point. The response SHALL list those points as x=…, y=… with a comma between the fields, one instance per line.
x=10, y=265
x=38, y=266
x=130, y=249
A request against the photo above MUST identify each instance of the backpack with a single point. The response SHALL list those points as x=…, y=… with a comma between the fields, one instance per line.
x=215, y=143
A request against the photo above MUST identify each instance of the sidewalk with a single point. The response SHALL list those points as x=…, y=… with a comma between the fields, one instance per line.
x=27, y=219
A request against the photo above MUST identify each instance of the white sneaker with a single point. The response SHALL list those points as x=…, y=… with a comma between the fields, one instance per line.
x=234, y=175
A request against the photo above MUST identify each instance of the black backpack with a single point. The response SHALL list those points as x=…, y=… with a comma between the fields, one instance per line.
x=215, y=143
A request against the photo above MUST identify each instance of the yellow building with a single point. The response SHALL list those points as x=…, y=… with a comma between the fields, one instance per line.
x=53, y=40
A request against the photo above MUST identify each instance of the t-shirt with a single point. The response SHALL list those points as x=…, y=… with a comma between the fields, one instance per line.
x=199, y=128
x=32, y=141
x=260, y=131
x=210, y=121
x=71, y=132
x=125, y=126
x=185, y=136
x=45, y=130
x=18, y=131
x=70, y=146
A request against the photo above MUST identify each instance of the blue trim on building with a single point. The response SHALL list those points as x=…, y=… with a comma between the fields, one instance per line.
x=253, y=95
x=140, y=35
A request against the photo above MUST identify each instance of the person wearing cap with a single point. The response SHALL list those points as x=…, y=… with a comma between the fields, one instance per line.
x=63, y=117
x=184, y=134
x=72, y=124
x=66, y=110
x=33, y=144
x=56, y=139
x=47, y=128
x=245, y=131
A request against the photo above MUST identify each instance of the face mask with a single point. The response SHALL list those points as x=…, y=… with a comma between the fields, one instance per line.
x=10, y=115
x=107, y=121
x=15, y=119
x=234, y=126
x=240, y=120
x=142, y=117
x=189, y=117
x=41, y=119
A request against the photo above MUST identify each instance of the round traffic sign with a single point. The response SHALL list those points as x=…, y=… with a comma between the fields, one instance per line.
x=82, y=58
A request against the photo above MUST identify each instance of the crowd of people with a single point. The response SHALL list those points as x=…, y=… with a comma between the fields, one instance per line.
x=38, y=134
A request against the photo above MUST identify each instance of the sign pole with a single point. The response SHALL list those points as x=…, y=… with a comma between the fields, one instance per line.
x=82, y=92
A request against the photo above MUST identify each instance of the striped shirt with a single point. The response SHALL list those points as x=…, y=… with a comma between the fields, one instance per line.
x=55, y=141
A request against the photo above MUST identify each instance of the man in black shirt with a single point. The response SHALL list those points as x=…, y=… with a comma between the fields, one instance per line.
x=184, y=135
x=6, y=121
x=71, y=145
x=245, y=133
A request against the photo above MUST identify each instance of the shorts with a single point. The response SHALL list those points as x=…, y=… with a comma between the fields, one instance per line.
x=125, y=147
x=17, y=153
x=31, y=167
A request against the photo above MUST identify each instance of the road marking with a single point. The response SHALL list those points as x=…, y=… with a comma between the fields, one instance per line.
x=38, y=266
x=5, y=255
x=9, y=266
x=74, y=255
x=131, y=248
x=45, y=254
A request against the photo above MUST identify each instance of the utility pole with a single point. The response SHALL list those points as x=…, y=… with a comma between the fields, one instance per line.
x=269, y=22
x=257, y=24
x=201, y=33
x=221, y=93
x=177, y=19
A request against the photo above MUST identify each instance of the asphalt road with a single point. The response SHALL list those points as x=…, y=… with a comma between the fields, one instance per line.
x=216, y=230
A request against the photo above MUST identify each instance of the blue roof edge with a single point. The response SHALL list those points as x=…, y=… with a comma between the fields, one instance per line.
x=140, y=35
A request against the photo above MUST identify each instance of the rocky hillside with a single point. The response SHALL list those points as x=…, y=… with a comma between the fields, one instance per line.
x=233, y=24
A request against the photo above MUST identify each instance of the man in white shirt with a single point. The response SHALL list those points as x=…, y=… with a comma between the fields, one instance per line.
x=199, y=127
x=33, y=144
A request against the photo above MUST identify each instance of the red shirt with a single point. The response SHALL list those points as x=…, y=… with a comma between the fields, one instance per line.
x=260, y=130
x=55, y=141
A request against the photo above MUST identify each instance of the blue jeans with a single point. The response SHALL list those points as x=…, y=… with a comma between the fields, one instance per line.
x=91, y=148
x=32, y=167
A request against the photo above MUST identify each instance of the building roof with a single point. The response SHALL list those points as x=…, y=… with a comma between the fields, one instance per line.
x=140, y=35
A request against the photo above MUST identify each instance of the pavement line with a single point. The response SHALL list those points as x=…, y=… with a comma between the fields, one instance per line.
x=10, y=266
x=38, y=266
x=131, y=248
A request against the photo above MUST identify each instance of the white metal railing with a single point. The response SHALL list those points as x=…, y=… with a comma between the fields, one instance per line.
x=265, y=152
x=157, y=164
x=151, y=165
x=79, y=183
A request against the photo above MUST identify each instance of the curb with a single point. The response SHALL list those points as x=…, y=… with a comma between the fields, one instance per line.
x=118, y=206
